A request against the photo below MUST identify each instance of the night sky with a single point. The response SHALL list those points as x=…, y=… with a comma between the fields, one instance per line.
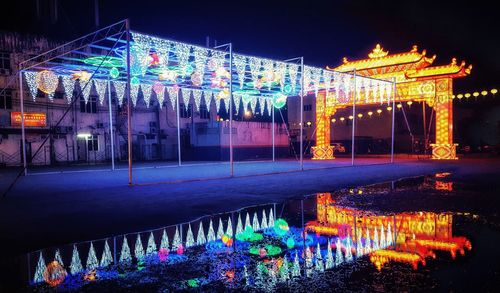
x=321, y=31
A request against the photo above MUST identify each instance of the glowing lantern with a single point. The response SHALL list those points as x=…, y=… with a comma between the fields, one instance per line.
x=342, y=118
x=409, y=103
x=484, y=93
x=379, y=111
x=279, y=100
x=333, y=120
x=494, y=91
x=389, y=108
x=360, y=115
x=467, y=95
x=47, y=81
x=370, y=113
x=114, y=73
x=350, y=117
x=460, y=96
x=399, y=106
x=196, y=79
x=475, y=94
x=54, y=274
x=308, y=123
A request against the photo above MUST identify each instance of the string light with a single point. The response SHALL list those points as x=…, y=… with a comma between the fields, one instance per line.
x=379, y=111
x=185, y=96
x=200, y=58
x=182, y=51
x=360, y=115
x=69, y=86
x=263, y=105
x=173, y=93
x=134, y=91
x=318, y=72
x=255, y=65
x=342, y=118
x=159, y=89
x=197, y=98
x=47, y=82
x=120, y=90
x=281, y=72
x=100, y=87
x=475, y=94
x=399, y=106
x=293, y=70
x=370, y=113
x=240, y=62
x=467, y=95
x=350, y=117
x=146, y=93
x=334, y=120
x=484, y=93
x=494, y=91
x=389, y=108
x=86, y=90
x=32, y=82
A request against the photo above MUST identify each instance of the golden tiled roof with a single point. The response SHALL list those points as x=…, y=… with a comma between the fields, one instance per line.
x=452, y=70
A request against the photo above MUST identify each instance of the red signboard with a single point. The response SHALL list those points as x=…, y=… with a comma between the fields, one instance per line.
x=30, y=119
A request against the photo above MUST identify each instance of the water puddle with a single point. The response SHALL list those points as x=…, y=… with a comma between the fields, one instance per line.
x=365, y=238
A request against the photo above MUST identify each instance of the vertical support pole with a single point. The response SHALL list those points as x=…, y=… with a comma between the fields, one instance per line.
x=231, y=162
x=393, y=118
x=303, y=233
x=355, y=238
x=273, y=126
x=177, y=109
x=23, y=131
x=129, y=108
x=111, y=128
x=302, y=114
x=353, y=118
x=425, y=127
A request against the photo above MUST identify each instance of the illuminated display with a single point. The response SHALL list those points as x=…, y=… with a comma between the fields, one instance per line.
x=30, y=119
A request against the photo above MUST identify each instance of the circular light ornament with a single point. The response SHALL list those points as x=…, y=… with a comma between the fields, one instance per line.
x=484, y=93
x=279, y=100
x=290, y=243
x=399, y=106
x=467, y=95
x=281, y=227
x=114, y=72
x=409, y=103
x=342, y=118
x=370, y=113
x=350, y=117
x=196, y=78
x=47, y=81
x=287, y=89
x=475, y=94
x=54, y=274
x=379, y=111
x=134, y=80
x=460, y=96
x=494, y=91
x=389, y=108
x=334, y=120
x=360, y=115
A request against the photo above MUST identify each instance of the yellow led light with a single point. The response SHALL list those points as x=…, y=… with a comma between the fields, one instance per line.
x=370, y=113
x=333, y=120
x=460, y=96
x=484, y=93
x=399, y=106
x=342, y=118
x=379, y=111
x=467, y=95
x=452, y=96
x=409, y=103
x=494, y=91
x=475, y=94
x=389, y=108
x=309, y=123
x=360, y=115
x=350, y=117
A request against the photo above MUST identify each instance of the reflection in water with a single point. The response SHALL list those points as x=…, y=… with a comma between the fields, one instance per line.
x=272, y=248
x=416, y=235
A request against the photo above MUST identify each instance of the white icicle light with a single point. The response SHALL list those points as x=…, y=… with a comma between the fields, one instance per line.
x=293, y=70
x=146, y=93
x=240, y=62
x=253, y=104
x=200, y=59
x=134, y=91
x=92, y=262
x=318, y=72
x=182, y=51
x=186, y=96
x=255, y=65
x=120, y=91
x=100, y=87
x=69, y=87
x=307, y=75
x=173, y=94
x=262, y=103
x=268, y=66
x=32, y=82
x=347, y=87
x=197, y=98
x=281, y=71
x=160, y=94
x=237, y=101
x=86, y=87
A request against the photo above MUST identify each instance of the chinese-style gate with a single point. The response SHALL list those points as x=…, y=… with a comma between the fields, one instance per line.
x=415, y=80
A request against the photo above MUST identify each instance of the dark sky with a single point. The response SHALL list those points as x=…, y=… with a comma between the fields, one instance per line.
x=321, y=31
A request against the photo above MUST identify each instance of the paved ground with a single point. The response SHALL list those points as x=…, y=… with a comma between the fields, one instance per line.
x=55, y=209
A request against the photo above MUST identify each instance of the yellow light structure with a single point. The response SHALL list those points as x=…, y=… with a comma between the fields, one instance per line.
x=484, y=93
x=475, y=94
x=494, y=91
x=416, y=81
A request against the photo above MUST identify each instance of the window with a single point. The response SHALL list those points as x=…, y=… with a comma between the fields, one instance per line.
x=6, y=99
x=90, y=106
x=204, y=114
x=307, y=108
x=93, y=143
x=4, y=62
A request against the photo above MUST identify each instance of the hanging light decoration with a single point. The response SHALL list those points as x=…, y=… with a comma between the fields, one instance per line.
x=47, y=82
x=86, y=87
x=240, y=62
x=167, y=74
x=347, y=88
x=182, y=52
x=246, y=100
x=200, y=58
x=100, y=87
x=217, y=60
x=134, y=91
x=317, y=73
x=268, y=74
x=197, y=98
x=327, y=79
x=237, y=100
x=278, y=100
x=255, y=65
x=114, y=72
x=293, y=70
x=308, y=73
x=146, y=93
x=186, y=96
x=69, y=86
x=262, y=104
x=120, y=90
x=253, y=104
x=197, y=78
x=32, y=81
x=208, y=98
x=173, y=94
x=159, y=89
x=281, y=74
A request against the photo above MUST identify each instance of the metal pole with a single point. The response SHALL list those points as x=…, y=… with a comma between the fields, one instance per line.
x=274, y=145
x=231, y=163
x=23, y=132
x=425, y=127
x=177, y=108
x=353, y=118
x=302, y=114
x=111, y=128
x=393, y=116
x=129, y=108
